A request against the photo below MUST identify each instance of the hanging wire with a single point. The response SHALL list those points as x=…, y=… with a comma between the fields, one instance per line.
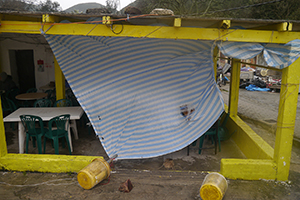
x=113, y=29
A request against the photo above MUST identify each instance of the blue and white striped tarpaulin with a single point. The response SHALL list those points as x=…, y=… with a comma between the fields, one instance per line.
x=149, y=97
x=273, y=55
x=144, y=97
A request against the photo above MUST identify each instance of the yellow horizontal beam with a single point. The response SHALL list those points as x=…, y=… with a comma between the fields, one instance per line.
x=23, y=18
x=285, y=26
x=192, y=33
x=248, y=169
x=45, y=162
x=20, y=27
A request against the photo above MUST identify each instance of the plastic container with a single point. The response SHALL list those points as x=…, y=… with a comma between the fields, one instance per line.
x=97, y=171
x=213, y=187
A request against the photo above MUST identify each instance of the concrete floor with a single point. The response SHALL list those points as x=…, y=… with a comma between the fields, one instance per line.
x=89, y=144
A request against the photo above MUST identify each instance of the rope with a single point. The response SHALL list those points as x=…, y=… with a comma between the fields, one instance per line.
x=111, y=165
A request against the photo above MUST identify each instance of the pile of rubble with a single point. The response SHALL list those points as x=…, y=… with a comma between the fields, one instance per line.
x=258, y=79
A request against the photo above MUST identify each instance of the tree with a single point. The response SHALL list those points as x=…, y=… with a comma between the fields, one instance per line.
x=30, y=5
x=15, y=5
x=285, y=9
x=48, y=6
x=257, y=9
x=112, y=5
x=179, y=7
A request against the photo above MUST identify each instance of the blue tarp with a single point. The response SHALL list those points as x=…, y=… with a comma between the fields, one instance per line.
x=255, y=88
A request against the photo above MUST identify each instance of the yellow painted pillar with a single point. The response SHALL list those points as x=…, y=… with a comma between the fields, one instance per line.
x=3, y=147
x=59, y=82
x=215, y=59
x=234, y=87
x=286, y=119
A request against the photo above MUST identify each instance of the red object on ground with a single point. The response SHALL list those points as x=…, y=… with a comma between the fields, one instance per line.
x=126, y=186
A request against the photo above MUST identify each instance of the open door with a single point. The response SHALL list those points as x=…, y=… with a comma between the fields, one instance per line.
x=25, y=69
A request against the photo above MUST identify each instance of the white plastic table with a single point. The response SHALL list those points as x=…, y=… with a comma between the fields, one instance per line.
x=46, y=113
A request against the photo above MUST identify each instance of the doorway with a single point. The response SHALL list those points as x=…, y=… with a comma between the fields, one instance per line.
x=24, y=66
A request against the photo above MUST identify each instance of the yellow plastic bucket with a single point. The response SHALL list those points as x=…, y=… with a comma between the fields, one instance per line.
x=213, y=187
x=93, y=174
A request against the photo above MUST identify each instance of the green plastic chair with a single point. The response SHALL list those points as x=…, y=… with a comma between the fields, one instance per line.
x=31, y=90
x=8, y=105
x=42, y=103
x=11, y=94
x=58, y=128
x=62, y=103
x=213, y=132
x=218, y=132
x=70, y=95
x=34, y=128
x=50, y=93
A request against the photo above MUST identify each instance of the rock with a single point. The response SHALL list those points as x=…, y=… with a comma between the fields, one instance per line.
x=132, y=10
x=169, y=163
x=126, y=186
x=161, y=11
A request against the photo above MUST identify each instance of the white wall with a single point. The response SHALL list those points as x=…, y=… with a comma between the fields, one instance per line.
x=41, y=50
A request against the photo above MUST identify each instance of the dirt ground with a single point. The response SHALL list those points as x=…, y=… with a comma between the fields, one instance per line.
x=148, y=184
x=150, y=180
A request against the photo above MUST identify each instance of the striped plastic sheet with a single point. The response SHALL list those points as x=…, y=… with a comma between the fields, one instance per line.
x=144, y=97
x=277, y=56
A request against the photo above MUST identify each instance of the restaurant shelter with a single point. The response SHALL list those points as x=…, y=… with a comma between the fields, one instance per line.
x=134, y=75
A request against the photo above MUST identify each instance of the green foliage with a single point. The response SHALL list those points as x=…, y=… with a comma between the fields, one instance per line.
x=30, y=5
x=48, y=6
x=285, y=9
x=14, y=5
x=257, y=9
x=112, y=5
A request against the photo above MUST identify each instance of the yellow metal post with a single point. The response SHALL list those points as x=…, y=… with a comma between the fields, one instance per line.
x=286, y=119
x=234, y=87
x=59, y=82
x=177, y=22
x=3, y=148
